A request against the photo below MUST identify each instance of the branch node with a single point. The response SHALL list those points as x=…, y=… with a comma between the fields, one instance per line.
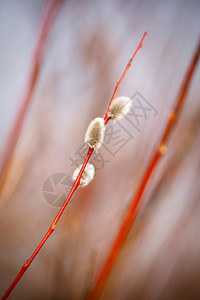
x=172, y=116
x=162, y=149
x=26, y=263
x=53, y=227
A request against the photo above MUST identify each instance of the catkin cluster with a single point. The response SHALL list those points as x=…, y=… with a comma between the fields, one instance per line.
x=95, y=132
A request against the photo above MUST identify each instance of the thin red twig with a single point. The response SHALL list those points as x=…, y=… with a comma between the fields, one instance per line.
x=122, y=77
x=48, y=20
x=132, y=210
x=74, y=187
x=51, y=228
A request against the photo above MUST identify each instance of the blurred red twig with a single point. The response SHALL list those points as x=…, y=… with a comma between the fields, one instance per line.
x=51, y=9
x=132, y=210
x=74, y=187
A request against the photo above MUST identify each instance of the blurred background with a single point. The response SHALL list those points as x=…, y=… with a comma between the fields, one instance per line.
x=89, y=45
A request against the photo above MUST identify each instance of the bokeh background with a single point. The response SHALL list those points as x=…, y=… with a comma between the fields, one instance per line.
x=89, y=46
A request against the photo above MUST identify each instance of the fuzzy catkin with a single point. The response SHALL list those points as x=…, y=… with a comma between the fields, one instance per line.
x=119, y=108
x=95, y=133
x=87, y=176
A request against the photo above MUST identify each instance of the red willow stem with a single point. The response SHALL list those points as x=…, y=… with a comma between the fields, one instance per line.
x=122, y=77
x=51, y=228
x=132, y=210
x=74, y=187
x=47, y=23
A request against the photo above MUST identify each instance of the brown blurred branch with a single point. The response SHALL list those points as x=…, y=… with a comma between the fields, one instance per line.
x=132, y=210
x=50, y=11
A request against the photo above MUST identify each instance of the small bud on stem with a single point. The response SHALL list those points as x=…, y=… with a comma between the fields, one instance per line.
x=95, y=133
x=119, y=108
x=87, y=176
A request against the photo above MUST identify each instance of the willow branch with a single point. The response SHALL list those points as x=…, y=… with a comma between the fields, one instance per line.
x=122, y=77
x=47, y=23
x=132, y=210
x=74, y=187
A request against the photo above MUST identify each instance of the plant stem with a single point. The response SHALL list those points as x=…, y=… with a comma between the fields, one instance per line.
x=132, y=210
x=38, y=54
x=74, y=187
x=122, y=77
x=51, y=228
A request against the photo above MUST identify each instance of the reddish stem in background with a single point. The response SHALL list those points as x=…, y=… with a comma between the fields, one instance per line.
x=132, y=210
x=74, y=187
x=47, y=23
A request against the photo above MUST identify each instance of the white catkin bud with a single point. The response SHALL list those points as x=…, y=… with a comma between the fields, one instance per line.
x=119, y=108
x=95, y=133
x=87, y=176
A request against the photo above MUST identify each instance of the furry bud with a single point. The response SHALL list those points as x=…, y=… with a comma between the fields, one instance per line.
x=95, y=133
x=119, y=108
x=87, y=176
